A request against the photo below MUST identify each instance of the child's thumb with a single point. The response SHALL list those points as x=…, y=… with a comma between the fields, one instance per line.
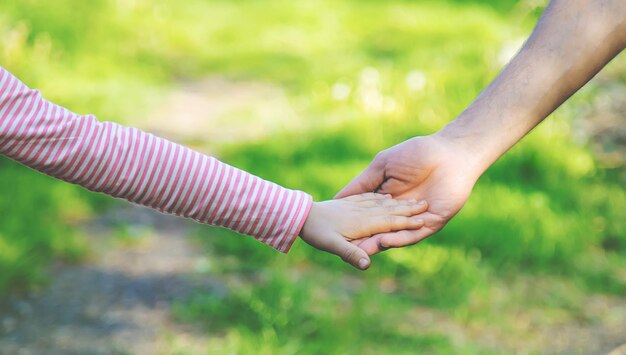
x=353, y=255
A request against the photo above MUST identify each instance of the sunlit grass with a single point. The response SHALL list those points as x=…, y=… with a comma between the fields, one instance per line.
x=360, y=76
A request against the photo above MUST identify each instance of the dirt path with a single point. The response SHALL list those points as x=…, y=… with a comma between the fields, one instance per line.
x=119, y=302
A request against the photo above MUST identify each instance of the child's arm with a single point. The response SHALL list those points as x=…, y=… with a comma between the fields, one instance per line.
x=139, y=167
x=147, y=170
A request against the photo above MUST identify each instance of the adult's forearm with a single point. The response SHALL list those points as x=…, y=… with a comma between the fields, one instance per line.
x=127, y=163
x=573, y=40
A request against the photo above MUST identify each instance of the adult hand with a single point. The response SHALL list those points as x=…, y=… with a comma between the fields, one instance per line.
x=427, y=168
x=559, y=58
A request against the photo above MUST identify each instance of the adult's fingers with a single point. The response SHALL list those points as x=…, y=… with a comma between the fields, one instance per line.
x=369, y=180
x=381, y=242
x=404, y=238
x=370, y=245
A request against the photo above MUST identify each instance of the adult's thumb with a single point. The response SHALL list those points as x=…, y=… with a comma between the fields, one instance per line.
x=367, y=181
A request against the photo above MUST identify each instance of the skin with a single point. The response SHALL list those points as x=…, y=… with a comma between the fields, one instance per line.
x=331, y=225
x=573, y=40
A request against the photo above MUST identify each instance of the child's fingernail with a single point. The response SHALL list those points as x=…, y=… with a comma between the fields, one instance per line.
x=387, y=195
x=412, y=200
x=422, y=202
x=363, y=263
x=419, y=221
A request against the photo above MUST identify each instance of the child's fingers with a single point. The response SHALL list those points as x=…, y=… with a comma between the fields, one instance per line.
x=405, y=209
x=385, y=202
x=368, y=196
x=391, y=223
x=350, y=253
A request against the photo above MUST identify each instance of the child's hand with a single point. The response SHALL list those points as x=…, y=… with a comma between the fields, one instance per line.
x=331, y=225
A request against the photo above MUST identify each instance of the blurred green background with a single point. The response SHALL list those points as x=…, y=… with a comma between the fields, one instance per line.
x=543, y=232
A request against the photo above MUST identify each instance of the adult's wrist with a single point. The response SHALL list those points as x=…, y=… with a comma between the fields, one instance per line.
x=471, y=149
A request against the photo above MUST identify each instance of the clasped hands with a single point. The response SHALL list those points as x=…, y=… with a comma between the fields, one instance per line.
x=558, y=59
x=407, y=193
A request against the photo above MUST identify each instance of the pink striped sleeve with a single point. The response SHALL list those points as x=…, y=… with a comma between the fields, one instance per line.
x=144, y=169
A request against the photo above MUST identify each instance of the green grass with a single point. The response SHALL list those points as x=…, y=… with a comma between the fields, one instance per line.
x=35, y=211
x=544, y=229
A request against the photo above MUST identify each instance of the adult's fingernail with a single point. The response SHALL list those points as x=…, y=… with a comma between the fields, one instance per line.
x=363, y=263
